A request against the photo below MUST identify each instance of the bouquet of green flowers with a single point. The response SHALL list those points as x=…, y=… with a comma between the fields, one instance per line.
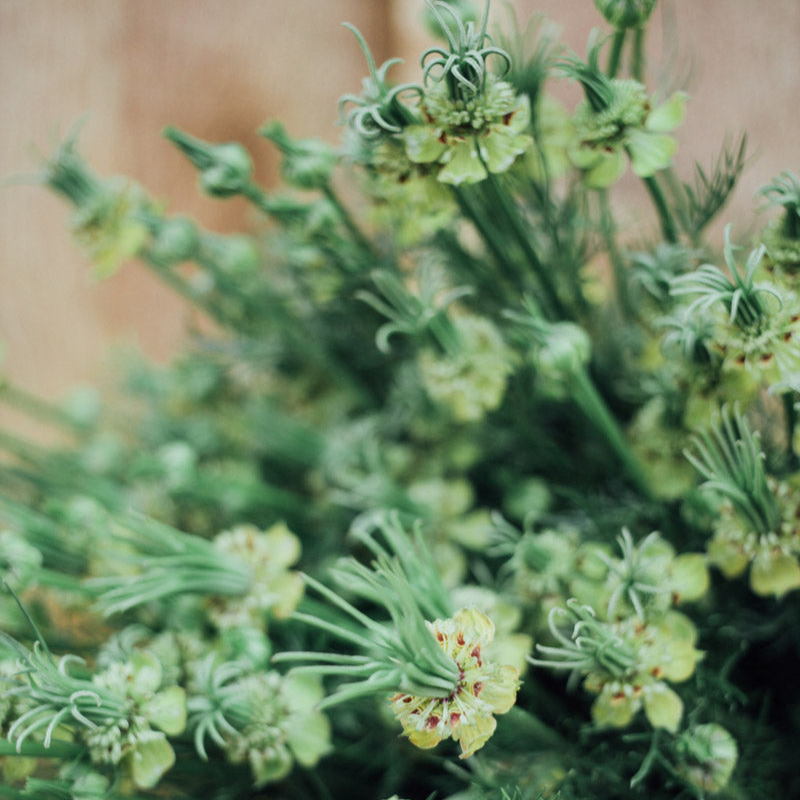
x=461, y=495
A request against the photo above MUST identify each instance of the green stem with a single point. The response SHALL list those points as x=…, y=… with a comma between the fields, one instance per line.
x=668, y=228
x=490, y=237
x=790, y=415
x=608, y=230
x=351, y=225
x=637, y=64
x=35, y=407
x=506, y=204
x=616, y=52
x=594, y=407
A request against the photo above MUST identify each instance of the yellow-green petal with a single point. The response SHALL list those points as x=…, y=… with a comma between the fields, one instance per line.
x=690, y=578
x=167, y=710
x=423, y=143
x=649, y=152
x=147, y=673
x=501, y=691
x=309, y=738
x=475, y=735
x=774, y=574
x=668, y=115
x=150, y=759
x=499, y=147
x=607, y=170
x=613, y=709
x=663, y=707
x=476, y=625
x=462, y=164
x=728, y=557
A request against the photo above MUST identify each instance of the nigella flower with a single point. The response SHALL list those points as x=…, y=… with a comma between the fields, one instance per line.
x=436, y=674
x=627, y=664
x=275, y=590
x=616, y=119
x=757, y=524
x=470, y=137
x=484, y=688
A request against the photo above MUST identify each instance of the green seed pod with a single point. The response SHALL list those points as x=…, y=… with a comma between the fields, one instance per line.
x=625, y=13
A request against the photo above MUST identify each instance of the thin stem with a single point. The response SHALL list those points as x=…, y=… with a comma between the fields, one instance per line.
x=668, y=228
x=608, y=230
x=637, y=63
x=490, y=237
x=790, y=415
x=594, y=407
x=511, y=213
x=616, y=52
x=35, y=407
x=351, y=225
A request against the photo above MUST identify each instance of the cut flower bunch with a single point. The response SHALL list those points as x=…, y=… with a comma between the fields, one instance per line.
x=463, y=492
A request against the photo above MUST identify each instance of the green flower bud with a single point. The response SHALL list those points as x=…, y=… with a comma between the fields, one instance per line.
x=235, y=256
x=708, y=755
x=566, y=349
x=625, y=13
x=175, y=240
x=225, y=169
x=307, y=163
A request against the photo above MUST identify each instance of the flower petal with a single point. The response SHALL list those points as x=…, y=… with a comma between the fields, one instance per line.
x=150, y=759
x=475, y=735
x=462, y=164
x=774, y=574
x=423, y=143
x=668, y=115
x=649, y=152
x=663, y=707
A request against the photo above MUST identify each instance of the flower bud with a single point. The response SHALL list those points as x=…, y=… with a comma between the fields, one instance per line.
x=565, y=351
x=225, y=169
x=307, y=163
x=175, y=241
x=625, y=13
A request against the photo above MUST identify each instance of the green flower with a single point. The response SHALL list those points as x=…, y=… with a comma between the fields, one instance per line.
x=469, y=137
x=471, y=381
x=144, y=753
x=274, y=589
x=625, y=663
x=617, y=119
x=484, y=688
x=264, y=719
x=773, y=556
x=626, y=127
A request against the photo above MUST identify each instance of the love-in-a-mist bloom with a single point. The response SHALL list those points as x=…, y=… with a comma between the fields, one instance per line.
x=484, y=688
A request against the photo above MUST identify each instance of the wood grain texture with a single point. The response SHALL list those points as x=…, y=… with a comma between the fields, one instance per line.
x=219, y=68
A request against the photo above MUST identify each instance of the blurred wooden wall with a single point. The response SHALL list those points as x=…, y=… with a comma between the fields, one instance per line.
x=220, y=68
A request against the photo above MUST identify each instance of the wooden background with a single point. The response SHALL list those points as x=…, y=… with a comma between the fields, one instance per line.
x=220, y=68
